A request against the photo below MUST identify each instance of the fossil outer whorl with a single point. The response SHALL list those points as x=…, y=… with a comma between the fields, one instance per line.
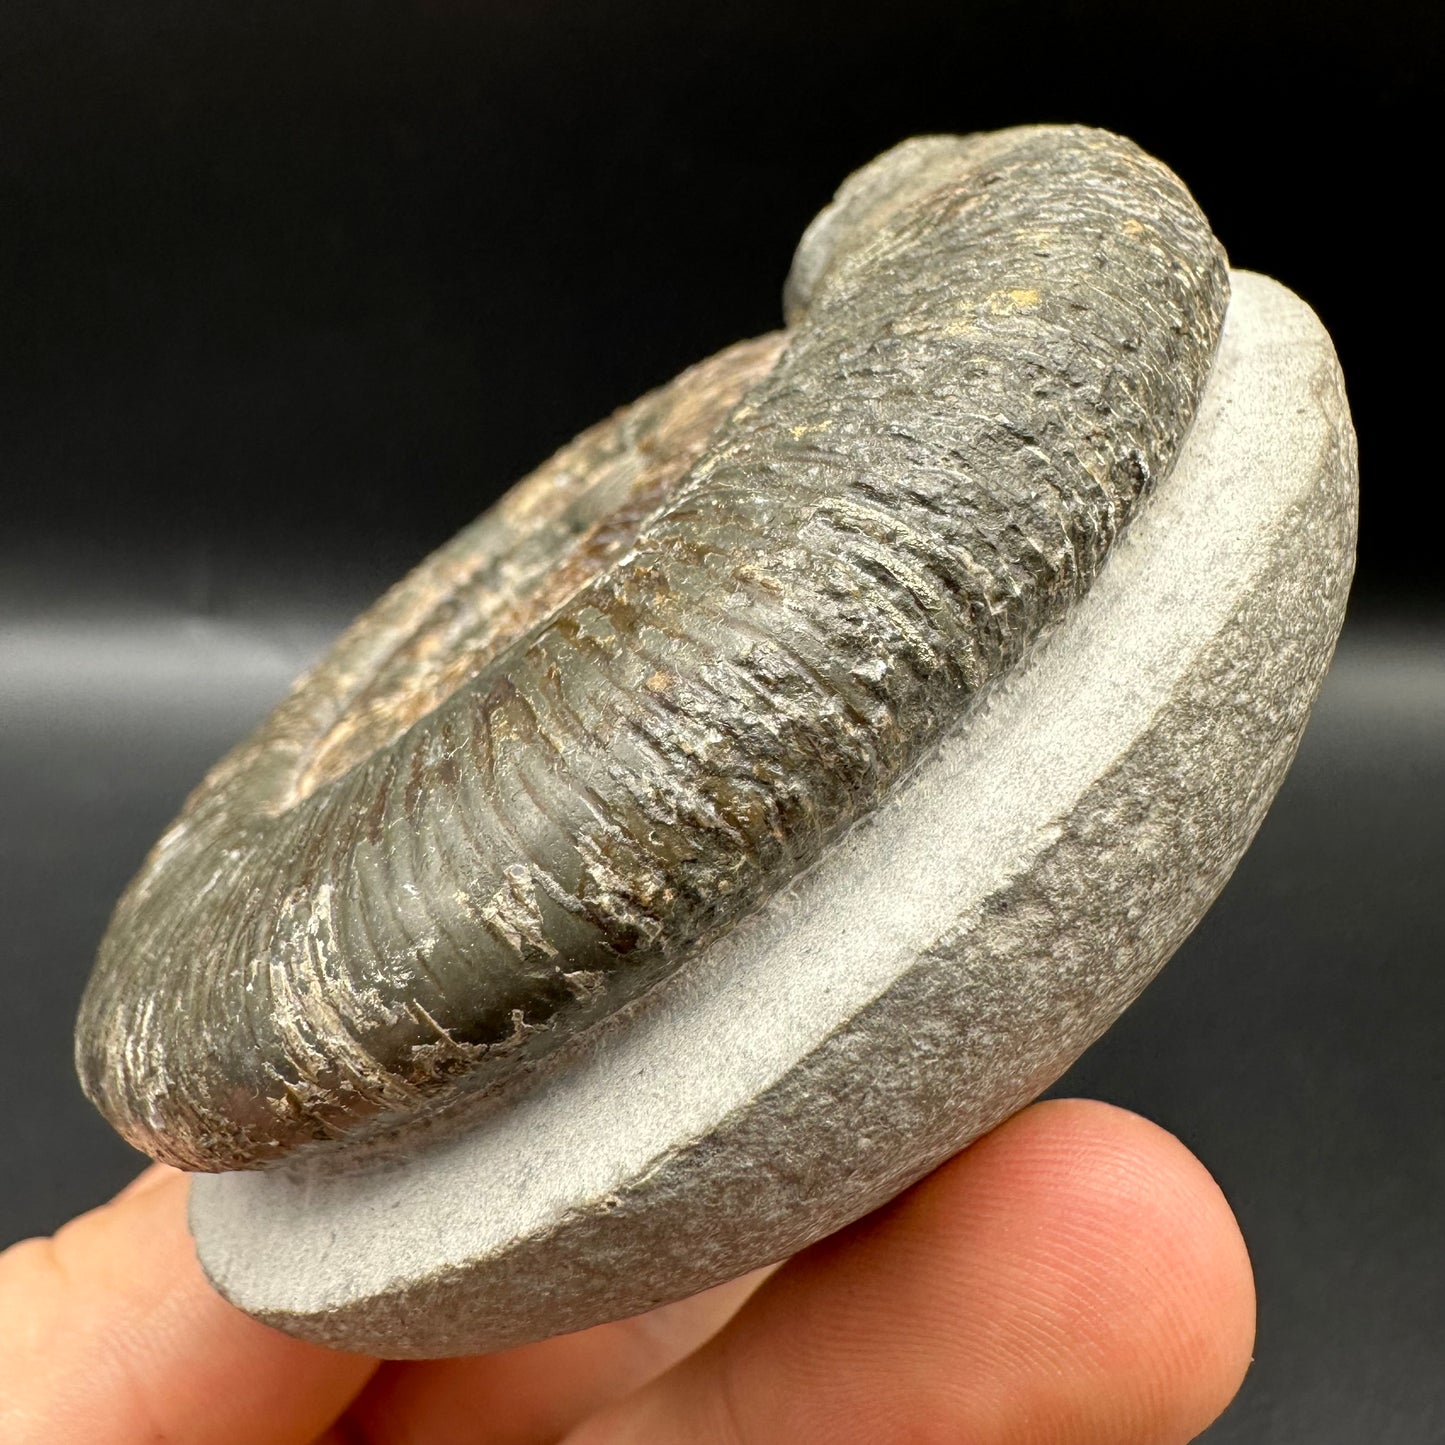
x=936, y=969
x=666, y=671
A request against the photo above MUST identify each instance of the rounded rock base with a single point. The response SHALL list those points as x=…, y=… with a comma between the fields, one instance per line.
x=939, y=968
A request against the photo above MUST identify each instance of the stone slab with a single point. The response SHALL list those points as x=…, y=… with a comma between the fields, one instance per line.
x=941, y=966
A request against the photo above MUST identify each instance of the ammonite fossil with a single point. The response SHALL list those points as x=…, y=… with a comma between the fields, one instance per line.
x=774, y=791
x=670, y=667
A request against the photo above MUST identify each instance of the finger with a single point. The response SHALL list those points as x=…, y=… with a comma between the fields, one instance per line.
x=1076, y=1275
x=148, y=1179
x=536, y=1393
x=110, y=1334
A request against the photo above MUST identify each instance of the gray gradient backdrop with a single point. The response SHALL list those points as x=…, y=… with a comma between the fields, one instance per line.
x=290, y=292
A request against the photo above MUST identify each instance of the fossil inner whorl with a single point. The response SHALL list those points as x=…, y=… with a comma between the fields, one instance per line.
x=654, y=682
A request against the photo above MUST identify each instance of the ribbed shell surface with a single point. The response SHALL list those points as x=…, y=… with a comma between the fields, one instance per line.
x=670, y=668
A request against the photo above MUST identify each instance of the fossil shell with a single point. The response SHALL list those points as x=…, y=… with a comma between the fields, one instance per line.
x=932, y=973
x=668, y=670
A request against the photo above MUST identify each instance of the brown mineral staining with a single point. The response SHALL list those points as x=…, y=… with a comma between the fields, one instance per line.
x=549, y=536
x=668, y=669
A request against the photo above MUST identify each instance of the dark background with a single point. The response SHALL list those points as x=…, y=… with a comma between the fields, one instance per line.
x=290, y=291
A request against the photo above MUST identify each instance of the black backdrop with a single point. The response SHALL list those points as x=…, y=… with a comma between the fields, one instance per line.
x=292, y=290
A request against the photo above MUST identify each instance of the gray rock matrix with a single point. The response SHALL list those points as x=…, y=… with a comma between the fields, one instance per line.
x=931, y=972
x=611, y=720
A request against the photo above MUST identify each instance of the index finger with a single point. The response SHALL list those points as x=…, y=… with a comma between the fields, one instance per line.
x=109, y=1333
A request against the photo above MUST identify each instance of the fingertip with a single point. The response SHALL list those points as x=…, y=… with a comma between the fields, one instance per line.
x=149, y=1178
x=116, y=1337
x=1076, y=1275
x=1118, y=1286
x=1140, y=1268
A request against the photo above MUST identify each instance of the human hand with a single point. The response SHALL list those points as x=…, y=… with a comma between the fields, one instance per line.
x=1074, y=1276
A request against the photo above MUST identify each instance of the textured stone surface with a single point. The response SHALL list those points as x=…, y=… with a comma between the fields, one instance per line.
x=611, y=720
x=936, y=969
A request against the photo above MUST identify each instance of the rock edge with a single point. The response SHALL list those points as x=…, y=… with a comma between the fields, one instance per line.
x=939, y=968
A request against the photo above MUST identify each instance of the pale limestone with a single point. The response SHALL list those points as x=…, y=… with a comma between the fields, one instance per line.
x=936, y=970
